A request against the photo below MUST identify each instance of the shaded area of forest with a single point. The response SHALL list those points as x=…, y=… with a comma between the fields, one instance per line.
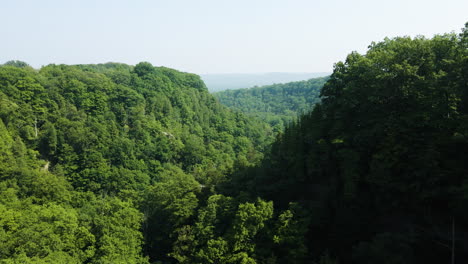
x=379, y=166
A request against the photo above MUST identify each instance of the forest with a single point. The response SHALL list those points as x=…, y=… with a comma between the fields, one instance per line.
x=113, y=163
x=277, y=104
x=217, y=82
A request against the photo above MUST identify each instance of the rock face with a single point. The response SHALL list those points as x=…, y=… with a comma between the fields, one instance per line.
x=46, y=166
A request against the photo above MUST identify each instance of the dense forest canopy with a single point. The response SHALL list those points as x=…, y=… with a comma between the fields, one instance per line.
x=112, y=163
x=277, y=104
x=90, y=154
x=380, y=164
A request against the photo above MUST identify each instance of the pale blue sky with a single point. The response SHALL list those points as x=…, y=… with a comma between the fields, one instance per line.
x=214, y=36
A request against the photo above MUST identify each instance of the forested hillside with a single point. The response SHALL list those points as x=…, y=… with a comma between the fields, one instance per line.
x=277, y=104
x=102, y=163
x=380, y=165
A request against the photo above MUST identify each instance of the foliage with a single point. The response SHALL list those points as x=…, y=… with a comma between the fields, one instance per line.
x=92, y=155
x=277, y=104
x=380, y=163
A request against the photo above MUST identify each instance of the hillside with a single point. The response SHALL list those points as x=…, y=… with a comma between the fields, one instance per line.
x=276, y=104
x=94, y=157
x=378, y=167
x=227, y=81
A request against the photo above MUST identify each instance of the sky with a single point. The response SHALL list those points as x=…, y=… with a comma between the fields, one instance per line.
x=215, y=36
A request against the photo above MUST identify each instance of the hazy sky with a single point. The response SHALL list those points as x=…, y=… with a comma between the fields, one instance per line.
x=214, y=36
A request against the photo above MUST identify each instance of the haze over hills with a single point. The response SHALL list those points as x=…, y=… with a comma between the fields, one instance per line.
x=226, y=81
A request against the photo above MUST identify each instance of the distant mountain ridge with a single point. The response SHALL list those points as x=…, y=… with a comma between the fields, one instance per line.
x=277, y=104
x=227, y=81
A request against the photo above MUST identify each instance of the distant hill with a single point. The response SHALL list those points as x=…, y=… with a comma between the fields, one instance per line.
x=276, y=104
x=221, y=82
